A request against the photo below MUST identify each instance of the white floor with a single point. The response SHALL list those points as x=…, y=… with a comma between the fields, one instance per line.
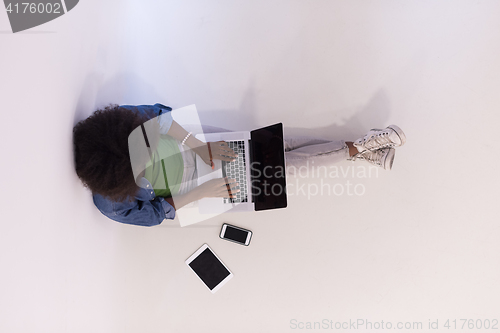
x=421, y=243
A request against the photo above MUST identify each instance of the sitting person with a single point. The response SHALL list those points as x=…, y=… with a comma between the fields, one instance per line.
x=102, y=161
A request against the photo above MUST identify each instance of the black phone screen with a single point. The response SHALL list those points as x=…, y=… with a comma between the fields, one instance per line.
x=236, y=235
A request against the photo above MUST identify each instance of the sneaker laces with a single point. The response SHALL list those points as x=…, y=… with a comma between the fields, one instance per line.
x=372, y=156
x=380, y=140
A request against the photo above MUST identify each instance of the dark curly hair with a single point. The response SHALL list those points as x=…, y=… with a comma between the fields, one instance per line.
x=101, y=150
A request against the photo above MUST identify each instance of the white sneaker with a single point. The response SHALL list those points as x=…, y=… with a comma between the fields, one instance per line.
x=391, y=136
x=380, y=157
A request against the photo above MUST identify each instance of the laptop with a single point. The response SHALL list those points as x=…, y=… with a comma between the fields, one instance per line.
x=259, y=169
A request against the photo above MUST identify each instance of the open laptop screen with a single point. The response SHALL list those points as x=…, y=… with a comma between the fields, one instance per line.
x=268, y=167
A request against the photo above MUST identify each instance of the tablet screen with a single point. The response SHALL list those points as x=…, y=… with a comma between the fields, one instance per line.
x=210, y=270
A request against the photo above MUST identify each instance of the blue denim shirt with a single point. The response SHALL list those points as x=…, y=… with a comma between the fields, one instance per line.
x=146, y=209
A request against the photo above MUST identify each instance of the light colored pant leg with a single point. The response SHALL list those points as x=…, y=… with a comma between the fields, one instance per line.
x=300, y=151
x=307, y=151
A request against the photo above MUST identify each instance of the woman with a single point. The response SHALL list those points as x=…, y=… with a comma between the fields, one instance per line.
x=103, y=164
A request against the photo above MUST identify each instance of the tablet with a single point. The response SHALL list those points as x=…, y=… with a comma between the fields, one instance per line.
x=209, y=268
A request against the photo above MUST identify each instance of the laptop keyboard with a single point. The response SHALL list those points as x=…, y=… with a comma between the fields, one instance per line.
x=237, y=170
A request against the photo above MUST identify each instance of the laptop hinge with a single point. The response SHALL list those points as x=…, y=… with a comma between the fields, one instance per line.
x=252, y=172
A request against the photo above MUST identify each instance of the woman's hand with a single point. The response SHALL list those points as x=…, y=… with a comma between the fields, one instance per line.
x=220, y=151
x=218, y=188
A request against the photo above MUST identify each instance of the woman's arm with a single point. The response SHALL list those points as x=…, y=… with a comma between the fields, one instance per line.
x=138, y=212
x=179, y=133
x=220, y=150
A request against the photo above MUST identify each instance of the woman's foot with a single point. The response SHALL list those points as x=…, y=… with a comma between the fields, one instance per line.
x=390, y=137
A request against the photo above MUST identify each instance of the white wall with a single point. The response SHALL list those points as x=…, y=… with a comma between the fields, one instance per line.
x=420, y=244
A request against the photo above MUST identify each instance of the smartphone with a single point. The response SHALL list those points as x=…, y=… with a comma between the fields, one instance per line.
x=235, y=234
